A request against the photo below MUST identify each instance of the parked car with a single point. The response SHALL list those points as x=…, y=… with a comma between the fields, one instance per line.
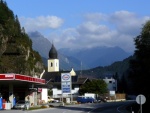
x=54, y=101
x=50, y=99
x=22, y=104
x=97, y=101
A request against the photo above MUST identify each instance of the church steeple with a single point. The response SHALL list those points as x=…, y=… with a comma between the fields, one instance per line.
x=53, y=61
x=53, y=53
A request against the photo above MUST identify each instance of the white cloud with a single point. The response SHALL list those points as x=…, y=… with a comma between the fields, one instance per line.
x=41, y=22
x=116, y=29
x=92, y=28
x=126, y=22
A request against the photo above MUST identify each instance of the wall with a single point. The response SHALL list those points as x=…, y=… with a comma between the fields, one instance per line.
x=44, y=96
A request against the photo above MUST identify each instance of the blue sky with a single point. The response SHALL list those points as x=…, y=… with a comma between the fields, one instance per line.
x=84, y=23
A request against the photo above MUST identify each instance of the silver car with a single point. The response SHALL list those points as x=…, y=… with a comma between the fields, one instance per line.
x=22, y=104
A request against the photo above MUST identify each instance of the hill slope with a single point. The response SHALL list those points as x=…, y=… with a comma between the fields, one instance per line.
x=16, y=53
x=119, y=68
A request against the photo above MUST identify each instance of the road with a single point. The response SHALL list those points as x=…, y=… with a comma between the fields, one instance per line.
x=108, y=107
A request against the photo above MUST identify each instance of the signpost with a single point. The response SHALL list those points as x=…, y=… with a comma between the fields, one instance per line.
x=66, y=83
x=140, y=99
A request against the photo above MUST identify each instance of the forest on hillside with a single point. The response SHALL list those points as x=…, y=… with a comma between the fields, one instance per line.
x=16, y=53
x=118, y=67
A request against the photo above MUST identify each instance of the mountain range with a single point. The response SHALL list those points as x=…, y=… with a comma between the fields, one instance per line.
x=78, y=59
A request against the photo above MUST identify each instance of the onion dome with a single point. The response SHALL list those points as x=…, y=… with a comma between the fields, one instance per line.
x=53, y=53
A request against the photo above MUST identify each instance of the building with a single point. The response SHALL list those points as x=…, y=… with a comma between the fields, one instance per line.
x=111, y=83
x=14, y=87
x=53, y=77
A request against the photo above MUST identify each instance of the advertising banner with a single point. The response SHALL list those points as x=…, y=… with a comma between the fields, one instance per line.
x=66, y=82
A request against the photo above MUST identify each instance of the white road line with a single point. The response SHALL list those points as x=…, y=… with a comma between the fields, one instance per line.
x=119, y=108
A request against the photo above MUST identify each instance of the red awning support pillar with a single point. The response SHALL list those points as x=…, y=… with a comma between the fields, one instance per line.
x=11, y=95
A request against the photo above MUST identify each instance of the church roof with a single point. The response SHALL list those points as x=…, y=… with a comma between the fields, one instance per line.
x=53, y=53
x=55, y=78
x=72, y=72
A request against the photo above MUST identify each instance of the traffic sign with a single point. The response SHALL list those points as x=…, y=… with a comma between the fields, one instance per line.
x=140, y=99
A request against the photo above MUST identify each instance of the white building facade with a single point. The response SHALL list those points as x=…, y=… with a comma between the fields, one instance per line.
x=111, y=83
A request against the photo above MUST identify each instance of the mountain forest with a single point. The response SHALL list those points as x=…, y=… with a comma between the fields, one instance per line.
x=16, y=53
x=17, y=56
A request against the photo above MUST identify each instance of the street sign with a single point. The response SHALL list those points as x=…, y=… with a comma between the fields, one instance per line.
x=140, y=99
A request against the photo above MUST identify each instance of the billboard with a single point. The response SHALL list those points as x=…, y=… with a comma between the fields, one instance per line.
x=66, y=83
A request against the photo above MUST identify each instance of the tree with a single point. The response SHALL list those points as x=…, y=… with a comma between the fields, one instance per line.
x=95, y=86
x=140, y=65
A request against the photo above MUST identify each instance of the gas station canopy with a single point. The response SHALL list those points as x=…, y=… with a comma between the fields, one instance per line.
x=16, y=79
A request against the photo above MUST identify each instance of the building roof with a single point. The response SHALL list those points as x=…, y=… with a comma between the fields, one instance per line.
x=55, y=78
x=72, y=72
x=53, y=53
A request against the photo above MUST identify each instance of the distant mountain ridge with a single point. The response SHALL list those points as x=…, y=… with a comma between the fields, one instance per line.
x=78, y=58
x=98, y=56
x=43, y=45
x=118, y=67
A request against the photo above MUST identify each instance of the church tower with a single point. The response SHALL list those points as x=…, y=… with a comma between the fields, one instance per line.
x=53, y=61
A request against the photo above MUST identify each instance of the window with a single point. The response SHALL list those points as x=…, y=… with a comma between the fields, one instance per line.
x=51, y=64
x=110, y=81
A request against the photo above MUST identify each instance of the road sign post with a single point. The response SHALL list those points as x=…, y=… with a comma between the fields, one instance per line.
x=66, y=84
x=140, y=99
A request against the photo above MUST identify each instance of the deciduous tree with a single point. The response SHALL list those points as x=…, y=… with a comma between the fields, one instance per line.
x=140, y=66
x=95, y=86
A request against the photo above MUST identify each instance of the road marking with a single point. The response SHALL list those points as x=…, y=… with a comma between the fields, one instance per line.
x=120, y=107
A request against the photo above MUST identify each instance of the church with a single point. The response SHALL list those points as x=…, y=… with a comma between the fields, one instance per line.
x=52, y=77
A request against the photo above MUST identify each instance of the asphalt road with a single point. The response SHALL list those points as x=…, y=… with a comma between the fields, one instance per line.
x=108, y=107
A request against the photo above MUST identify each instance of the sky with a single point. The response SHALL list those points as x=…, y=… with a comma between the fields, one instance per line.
x=78, y=24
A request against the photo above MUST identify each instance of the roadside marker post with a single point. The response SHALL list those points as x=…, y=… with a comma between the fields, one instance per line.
x=140, y=99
